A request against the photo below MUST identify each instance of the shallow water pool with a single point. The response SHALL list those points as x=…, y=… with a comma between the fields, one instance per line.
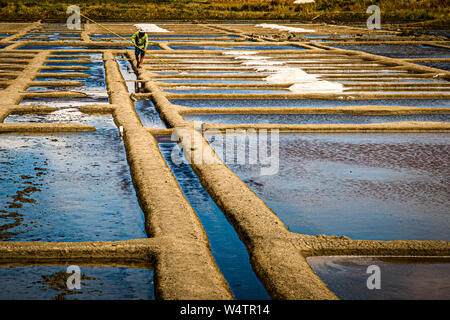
x=189, y=81
x=67, y=187
x=148, y=115
x=62, y=115
x=438, y=65
x=97, y=283
x=400, y=51
x=255, y=103
x=93, y=47
x=364, y=186
x=206, y=47
x=227, y=91
x=182, y=36
x=401, y=279
x=310, y=118
x=66, y=102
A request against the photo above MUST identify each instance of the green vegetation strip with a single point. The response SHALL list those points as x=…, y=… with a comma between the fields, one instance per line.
x=321, y=10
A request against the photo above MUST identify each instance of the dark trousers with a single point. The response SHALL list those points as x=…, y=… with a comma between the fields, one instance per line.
x=139, y=53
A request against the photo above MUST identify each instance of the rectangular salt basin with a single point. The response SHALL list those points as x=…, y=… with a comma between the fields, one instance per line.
x=401, y=278
x=110, y=36
x=93, y=47
x=206, y=67
x=228, y=251
x=364, y=186
x=441, y=32
x=67, y=187
x=206, y=73
x=82, y=53
x=62, y=115
x=227, y=91
x=49, y=39
x=50, y=58
x=396, y=93
x=82, y=89
x=65, y=70
x=304, y=103
x=310, y=118
x=68, y=64
x=393, y=80
x=148, y=115
x=191, y=36
x=191, y=81
x=401, y=51
x=108, y=40
x=51, y=35
x=66, y=102
x=56, y=35
x=316, y=36
x=96, y=81
x=127, y=72
x=438, y=65
x=206, y=47
x=49, y=282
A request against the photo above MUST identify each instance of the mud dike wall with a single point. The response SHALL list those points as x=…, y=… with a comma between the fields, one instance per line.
x=177, y=245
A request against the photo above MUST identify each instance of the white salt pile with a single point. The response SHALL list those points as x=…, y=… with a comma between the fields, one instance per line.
x=283, y=28
x=304, y=82
x=301, y=81
x=289, y=75
x=319, y=86
x=149, y=27
x=238, y=53
x=262, y=62
x=251, y=57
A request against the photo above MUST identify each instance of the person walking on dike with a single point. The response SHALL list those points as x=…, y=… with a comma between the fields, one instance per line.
x=140, y=40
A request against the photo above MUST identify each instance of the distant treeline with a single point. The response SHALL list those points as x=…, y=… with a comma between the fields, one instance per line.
x=435, y=11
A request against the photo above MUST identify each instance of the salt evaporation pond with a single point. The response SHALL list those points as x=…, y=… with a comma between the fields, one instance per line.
x=64, y=102
x=68, y=187
x=87, y=47
x=95, y=81
x=97, y=283
x=402, y=80
x=127, y=72
x=148, y=115
x=188, y=72
x=401, y=279
x=206, y=47
x=182, y=36
x=191, y=81
x=63, y=114
x=401, y=51
x=226, y=91
x=364, y=186
x=310, y=118
x=111, y=36
x=255, y=103
x=438, y=65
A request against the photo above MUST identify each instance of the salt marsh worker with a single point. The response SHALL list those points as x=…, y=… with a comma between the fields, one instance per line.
x=140, y=40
